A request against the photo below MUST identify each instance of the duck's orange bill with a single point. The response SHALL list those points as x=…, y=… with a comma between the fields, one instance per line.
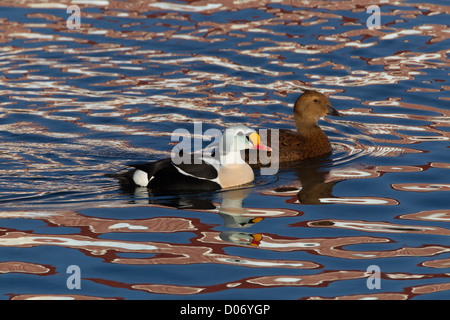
x=254, y=137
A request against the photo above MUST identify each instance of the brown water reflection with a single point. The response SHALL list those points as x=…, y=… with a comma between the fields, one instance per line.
x=200, y=249
x=172, y=254
x=315, y=185
x=409, y=293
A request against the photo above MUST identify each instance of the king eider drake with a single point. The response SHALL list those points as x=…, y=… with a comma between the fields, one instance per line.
x=203, y=173
x=310, y=141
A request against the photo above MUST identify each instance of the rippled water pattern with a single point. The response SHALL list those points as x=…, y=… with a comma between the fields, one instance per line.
x=78, y=105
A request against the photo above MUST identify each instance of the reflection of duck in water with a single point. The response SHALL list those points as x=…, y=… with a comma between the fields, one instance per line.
x=313, y=183
x=242, y=238
x=236, y=216
x=309, y=142
x=203, y=173
x=232, y=212
x=231, y=208
x=314, y=187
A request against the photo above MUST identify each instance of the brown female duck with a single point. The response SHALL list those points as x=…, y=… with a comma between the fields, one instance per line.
x=309, y=141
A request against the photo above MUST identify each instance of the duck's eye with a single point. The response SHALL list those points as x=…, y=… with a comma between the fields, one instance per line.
x=316, y=100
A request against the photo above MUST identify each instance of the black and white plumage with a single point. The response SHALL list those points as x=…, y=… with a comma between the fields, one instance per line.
x=203, y=173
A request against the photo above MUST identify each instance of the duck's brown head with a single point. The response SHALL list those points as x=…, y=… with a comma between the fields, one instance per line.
x=312, y=105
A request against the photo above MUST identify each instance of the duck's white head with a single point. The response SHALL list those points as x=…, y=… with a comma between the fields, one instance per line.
x=235, y=139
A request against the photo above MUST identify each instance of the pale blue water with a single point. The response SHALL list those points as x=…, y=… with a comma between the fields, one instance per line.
x=79, y=105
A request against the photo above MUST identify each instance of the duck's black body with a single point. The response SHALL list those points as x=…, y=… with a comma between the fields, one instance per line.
x=164, y=175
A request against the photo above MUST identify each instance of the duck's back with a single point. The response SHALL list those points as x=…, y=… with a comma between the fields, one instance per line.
x=292, y=147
